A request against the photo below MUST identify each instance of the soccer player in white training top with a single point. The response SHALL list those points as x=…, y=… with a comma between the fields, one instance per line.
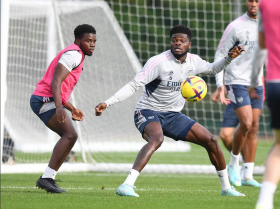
x=237, y=78
x=158, y=112
x=269, y=37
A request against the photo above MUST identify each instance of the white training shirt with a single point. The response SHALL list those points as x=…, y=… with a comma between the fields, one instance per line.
x=162, y=76
x=71, y=59
x=240, y=32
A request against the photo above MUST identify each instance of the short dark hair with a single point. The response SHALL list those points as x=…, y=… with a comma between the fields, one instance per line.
x=80, y=30
x=181, y=29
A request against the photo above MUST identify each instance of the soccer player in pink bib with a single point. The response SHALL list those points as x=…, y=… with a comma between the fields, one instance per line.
x=50, y=99
x=269, y=42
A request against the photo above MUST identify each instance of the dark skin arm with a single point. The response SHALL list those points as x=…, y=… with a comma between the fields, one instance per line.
x=60, y=75
x=76, y=113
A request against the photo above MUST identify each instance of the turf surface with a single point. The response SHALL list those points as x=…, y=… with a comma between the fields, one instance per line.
x=196, y=156
x=97, y=190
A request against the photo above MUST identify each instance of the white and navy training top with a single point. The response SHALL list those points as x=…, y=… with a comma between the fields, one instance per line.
x=162, y=76
x=240, y=32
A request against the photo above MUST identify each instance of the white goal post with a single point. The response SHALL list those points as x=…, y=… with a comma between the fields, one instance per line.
x=5, y=8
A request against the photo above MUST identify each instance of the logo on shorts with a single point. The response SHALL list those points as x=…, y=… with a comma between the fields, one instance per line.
x=151, y=117
x=240, y=99
x=46, y=99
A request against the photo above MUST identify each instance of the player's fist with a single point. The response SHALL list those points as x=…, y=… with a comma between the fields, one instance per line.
x=252, y=93
x=61, y=114
x=77, y=115
x=100, y=108
x=236, y=51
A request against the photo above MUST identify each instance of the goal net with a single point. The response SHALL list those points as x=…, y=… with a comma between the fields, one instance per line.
x=128, y=34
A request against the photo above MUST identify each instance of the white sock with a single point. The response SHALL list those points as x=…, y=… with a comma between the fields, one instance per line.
x=267, y=194
x=242, y=173
x=234, y=160
x=223, y=176
x=241, y=160
x=248, y=169
x=49, y=173
x=131, y=178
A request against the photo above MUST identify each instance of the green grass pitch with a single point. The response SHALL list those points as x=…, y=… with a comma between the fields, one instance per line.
x=97, y=190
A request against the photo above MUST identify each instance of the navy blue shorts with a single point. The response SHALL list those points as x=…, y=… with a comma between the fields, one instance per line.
x=273, y=102
x=230, y=118
x=43, y=107
x=239, y=96
x=174, y=124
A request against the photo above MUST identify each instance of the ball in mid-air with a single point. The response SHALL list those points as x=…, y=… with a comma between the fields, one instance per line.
x=193, y=89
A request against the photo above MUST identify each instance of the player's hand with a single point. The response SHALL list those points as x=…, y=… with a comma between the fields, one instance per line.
x=223, y=92
x=236, y=51
x=215, y=96
x=252, y=93
x=100, y=108
x=60, y=114
x=77, y=115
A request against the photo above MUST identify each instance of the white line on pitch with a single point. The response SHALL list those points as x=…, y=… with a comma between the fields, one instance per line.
x=144, y=175
x=79, y=188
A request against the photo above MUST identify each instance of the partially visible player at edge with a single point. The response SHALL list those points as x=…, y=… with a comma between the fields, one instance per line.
x=229, y=124
x=269, y=38
x=158, y=112
x=237, y=78
x=51, y=96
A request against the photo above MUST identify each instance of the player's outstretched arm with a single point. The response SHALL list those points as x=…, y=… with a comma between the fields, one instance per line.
x=203, y=66
x=100, y=108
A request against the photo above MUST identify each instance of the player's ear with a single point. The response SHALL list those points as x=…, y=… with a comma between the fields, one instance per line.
x=77, y=41
x=190, y=44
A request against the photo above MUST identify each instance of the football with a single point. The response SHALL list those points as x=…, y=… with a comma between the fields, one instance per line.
x=193, y=89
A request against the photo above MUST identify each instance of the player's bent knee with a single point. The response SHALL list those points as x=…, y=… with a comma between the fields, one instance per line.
x=255, y=127
x=72, y=136
x=212, y=142
x=225, y=137
x=245, y=127
x=156, y=141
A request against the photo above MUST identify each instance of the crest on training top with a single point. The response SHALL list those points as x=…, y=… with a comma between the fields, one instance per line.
x=190, y=70
x=170, y=74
